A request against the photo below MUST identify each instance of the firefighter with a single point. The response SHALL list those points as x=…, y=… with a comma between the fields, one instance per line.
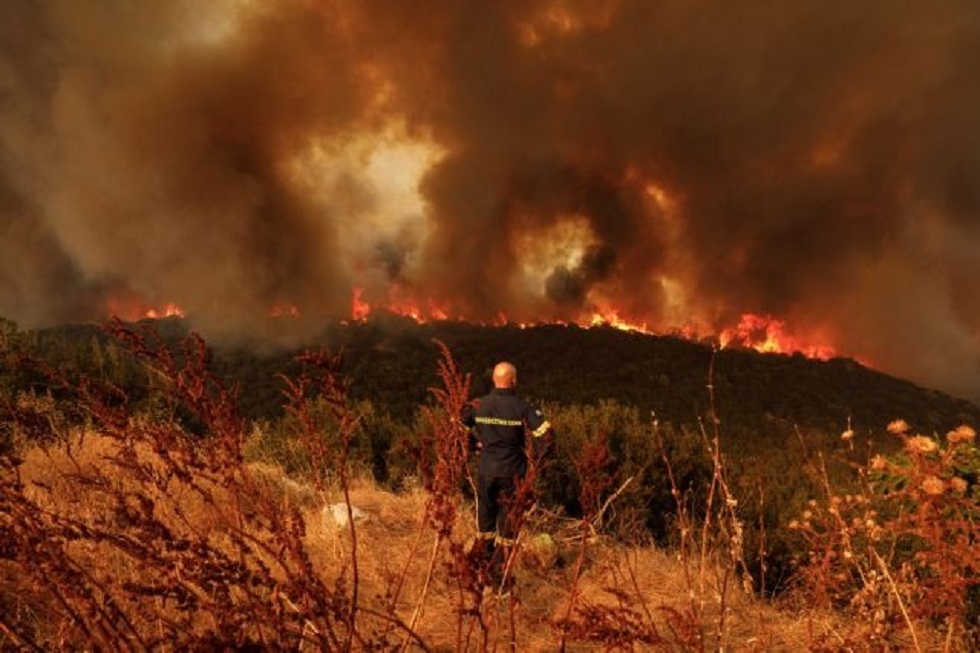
x=499, y=423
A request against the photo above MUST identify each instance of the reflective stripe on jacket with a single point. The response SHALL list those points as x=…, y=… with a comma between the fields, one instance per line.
x=500, y=420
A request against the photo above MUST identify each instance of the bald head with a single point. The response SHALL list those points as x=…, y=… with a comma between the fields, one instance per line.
x=504, y=375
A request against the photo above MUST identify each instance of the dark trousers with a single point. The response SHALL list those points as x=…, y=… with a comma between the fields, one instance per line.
x=497, y=520
x=494, y=498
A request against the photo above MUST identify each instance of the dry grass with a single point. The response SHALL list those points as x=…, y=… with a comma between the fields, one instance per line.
x=644, y=581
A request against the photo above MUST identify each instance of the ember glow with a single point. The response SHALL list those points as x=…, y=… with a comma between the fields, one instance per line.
x=285, y=310
x=134, y=309
x=795, y=176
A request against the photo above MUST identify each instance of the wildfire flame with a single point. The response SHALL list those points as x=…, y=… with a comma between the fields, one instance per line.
x=767, y=334
x=168, y=310
x=360, y=309
x=399, y=304
x=611, y=318
x=763, y=333
x=130, y=309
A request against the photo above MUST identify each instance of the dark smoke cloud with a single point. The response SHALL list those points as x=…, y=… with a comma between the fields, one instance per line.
x=818, y=162
x=570, y=286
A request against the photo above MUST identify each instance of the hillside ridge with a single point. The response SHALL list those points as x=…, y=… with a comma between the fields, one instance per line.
x=391, y=361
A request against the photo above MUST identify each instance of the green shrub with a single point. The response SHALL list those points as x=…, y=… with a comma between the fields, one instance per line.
x=645, y=506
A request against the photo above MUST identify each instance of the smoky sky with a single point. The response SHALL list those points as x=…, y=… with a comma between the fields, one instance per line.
x=684, y=162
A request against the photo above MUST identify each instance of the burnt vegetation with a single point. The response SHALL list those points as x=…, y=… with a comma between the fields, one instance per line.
x=195, y=523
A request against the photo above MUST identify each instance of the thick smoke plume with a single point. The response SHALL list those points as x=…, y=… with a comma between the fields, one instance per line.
x=680, y=163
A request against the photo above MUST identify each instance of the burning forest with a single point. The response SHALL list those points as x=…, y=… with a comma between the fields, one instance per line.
x=788, y=177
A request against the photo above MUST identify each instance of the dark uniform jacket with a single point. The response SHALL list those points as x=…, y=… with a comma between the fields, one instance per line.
x=500, y=420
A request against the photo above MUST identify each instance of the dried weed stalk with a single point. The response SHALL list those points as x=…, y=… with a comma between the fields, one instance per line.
x=174, y=542
x=711, y=544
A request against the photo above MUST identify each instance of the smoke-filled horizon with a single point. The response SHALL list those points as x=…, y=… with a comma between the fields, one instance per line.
x=676, y=163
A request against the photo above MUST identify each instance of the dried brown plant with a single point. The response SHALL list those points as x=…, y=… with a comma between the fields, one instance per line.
x=174, y=541
x=900, y=552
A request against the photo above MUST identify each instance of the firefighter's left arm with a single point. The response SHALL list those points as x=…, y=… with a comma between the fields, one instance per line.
x=541, y=444
x=542, y=434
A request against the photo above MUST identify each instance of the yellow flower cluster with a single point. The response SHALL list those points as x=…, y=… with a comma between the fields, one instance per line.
x=898, y=427
x=961, y=434
x=921, y=444
x=933, y=486
x=958, y=484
